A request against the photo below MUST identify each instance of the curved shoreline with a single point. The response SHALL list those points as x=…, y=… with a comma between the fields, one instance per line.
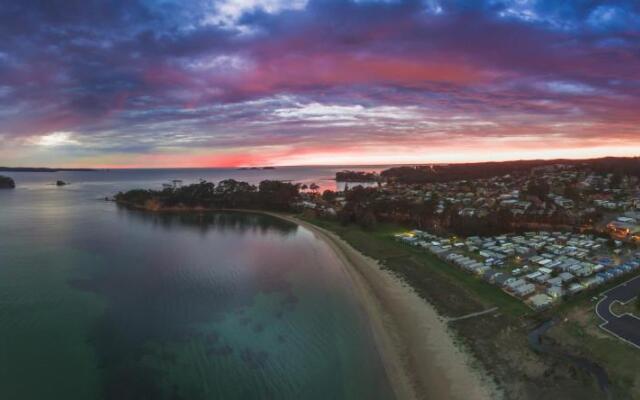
x=417, y=349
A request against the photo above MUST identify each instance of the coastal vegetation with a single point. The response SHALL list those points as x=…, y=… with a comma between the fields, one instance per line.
x=356, y=176
x=578, y=332
x=6, y=182
x=368, y=206
x=227, y=194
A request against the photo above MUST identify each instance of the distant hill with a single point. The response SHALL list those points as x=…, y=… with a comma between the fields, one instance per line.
x=450, y=172
x=35, y=169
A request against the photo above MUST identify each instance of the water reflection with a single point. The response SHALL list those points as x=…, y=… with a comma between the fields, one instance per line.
x=163, y=301
x=239, y=222
x=101, y=302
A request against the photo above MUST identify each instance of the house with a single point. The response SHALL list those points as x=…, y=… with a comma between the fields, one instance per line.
x=467, y=212
x=555, y=292
x=622, y=230
x=566, y=276
x=557, y=281
x=501, y=279
x=542, y=278
x=489, y=275
x=534, y=275
x=593, y=281
x=514, y=284
x=525, y=290
x=575, y=288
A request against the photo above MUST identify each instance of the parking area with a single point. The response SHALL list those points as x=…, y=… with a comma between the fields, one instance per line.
x=625, y=327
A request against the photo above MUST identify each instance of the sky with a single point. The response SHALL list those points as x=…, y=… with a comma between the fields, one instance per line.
x=226, y=83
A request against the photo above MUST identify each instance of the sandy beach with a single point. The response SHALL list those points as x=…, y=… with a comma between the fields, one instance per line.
x=417, y=348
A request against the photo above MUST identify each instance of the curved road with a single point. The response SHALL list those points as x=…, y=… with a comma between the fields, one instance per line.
x=625, y=327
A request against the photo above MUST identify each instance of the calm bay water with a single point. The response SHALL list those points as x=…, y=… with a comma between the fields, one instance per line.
x=98, y=302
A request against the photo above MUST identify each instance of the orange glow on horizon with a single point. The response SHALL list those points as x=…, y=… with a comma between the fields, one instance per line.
x=358, y=156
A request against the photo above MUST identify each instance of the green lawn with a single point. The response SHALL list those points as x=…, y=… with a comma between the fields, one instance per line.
x=579, y=332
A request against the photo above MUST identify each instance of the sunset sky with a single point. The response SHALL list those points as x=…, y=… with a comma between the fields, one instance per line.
x=141, y=83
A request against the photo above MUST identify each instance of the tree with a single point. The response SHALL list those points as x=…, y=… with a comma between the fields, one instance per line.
x=538, y=188
x=329, y=195
x=229, y=193
x=277, y=195
x=616, y=179
x=367, y=220
x=572, y=192
x=314, y=188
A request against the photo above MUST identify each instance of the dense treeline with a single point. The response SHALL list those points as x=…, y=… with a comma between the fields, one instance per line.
x=618, y=166
x=356, y=176
x=268, y=195
x=6, y=182
x=453, y=172
x=368, y=206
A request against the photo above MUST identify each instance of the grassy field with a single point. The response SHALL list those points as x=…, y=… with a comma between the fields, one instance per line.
x=418, y=264
x=630, y=308
x=580, y=333
x=499, y=342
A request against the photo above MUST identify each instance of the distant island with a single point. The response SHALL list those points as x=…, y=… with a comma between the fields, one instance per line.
x=254, y=168
x=6, y=182
x=356, y=176
x=38, y=169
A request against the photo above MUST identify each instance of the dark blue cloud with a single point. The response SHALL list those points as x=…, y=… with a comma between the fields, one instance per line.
x=121, y=68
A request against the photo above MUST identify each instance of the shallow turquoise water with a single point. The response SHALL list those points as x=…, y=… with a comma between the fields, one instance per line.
x=98, y=302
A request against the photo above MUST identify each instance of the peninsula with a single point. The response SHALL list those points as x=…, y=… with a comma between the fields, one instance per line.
x=356, y=176
x=227, y=194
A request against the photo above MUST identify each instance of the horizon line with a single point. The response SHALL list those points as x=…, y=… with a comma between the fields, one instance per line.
x=262, y=167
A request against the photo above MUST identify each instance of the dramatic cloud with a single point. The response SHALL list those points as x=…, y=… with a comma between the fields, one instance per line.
x=229, y=82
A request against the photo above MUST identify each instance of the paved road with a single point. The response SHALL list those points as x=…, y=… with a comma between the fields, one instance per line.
x=625, y=327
